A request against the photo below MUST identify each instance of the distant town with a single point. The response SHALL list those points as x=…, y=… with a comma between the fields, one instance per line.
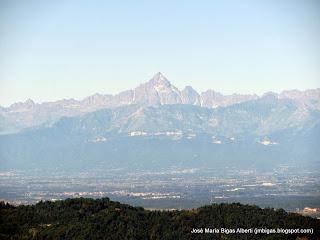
x=176, y=188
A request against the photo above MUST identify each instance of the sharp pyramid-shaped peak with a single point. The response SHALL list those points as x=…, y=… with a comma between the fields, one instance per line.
x=159, y=78
x=159, y=75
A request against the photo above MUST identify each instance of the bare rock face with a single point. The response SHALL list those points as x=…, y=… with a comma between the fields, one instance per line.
x=22, y=106
x=308, y=99
x=190, y=96
x=211, y=98
x=157, y=91
x=214, y=99
x=123, y=98
x=94, y=102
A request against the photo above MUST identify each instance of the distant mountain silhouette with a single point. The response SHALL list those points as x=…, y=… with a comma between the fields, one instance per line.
x=157, y=91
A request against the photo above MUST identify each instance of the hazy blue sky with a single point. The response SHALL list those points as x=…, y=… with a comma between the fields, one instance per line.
x=71, y=49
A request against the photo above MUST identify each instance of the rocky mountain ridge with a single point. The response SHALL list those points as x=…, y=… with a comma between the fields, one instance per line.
x=157, y=91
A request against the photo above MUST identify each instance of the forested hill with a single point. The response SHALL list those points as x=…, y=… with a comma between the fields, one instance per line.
x=104, y=219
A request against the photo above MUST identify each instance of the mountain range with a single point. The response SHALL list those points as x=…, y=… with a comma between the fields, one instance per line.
x=157, y=91
x=158, y=126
